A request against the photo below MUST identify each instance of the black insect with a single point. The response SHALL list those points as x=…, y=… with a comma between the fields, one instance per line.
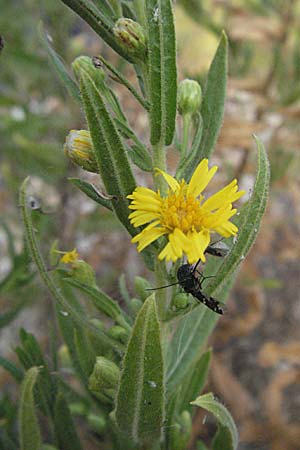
x=191, y=282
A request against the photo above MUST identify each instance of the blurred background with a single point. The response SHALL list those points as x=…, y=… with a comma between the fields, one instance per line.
x=256, y=363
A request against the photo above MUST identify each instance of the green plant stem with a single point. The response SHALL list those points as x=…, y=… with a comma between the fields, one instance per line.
x=139, y=6
x=159, y=161
x=185, y=136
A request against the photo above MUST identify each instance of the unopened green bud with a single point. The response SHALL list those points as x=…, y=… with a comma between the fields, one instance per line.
x=96, y=422
x=131, y=37
x=97, y=323
x=105, y=377
x=84, y=273
x=135, y=305
x=180, y=301
x=119, y=333
x=64, y=356
x=85, y=64
x=79, y=149
x=141, y=285
x=189, y=97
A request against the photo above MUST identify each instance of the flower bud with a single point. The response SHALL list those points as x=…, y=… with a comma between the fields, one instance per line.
x=105, y=377
x=79, y=149
x=189, y=97
x=180, y=301
x=85, y=63
x=84, y=273
x=96, y=422
x=135, y=305
x=64, y=356
x=141, y=285
x=119, y=333
x=131, y=37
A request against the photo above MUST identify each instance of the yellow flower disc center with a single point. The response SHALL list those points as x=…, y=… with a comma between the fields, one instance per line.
x=181, y=211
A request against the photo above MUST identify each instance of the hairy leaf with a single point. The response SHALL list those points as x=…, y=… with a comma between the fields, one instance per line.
x=212, y=108
x=58, y=65
x=162, y=70
x=139, y=409
x=30, y=436
x=228, y=429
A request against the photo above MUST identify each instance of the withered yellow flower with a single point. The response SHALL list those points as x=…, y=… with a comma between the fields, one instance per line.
x=183, y=215
x=69, y=257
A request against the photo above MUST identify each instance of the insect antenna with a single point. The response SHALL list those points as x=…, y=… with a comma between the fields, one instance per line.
x=162, y=287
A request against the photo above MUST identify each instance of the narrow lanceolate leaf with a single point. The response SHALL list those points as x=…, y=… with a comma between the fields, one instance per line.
x=109, y=150
x=101, y=22
x=58, y=65
x=212, y=108
x=139, y=410
x=64, y=427
x=194, y=329
x=102, y=302
x=30, y=437
x=90, y=190
x=225, y=421
x=162, y=70
x=194, y=382
x=12, y=369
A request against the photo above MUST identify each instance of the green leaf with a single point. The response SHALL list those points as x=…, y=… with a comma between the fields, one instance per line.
x=91, y=192
x=12, y=369
x=162, y=70
x=58, y=65
x=195, y=327
x=212, y=108
x=100, y=20
x=30, y=355
x=229, y=431
x=109, y=150
x=140, y=157
x=194, y=382
x=101, y=301
x=64, y=427
x=140, y=400
x=85, y=352
x=30, y=437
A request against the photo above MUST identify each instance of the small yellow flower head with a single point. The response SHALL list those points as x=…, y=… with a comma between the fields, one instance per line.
x=79, y=148
x=184, y=216
x=69, y=257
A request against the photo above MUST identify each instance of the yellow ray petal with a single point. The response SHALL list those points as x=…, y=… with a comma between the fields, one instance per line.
x=142, y=218
x=174, y=185
x=147, y=236
x=201, y=177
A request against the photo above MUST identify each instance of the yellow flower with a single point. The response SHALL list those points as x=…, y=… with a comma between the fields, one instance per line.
x=184, y=215
x=69, y=257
